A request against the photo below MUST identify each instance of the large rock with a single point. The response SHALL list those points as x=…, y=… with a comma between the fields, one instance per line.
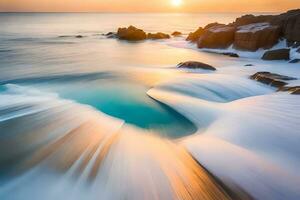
x=290, y=24
x=254, y=36
x=157, y=36
x=272, y=79
x=220, y=36
x=251, y=19
x=194, y=36
x=195, y=65
x=278, y=54
x=131, y=33
x=176, y=33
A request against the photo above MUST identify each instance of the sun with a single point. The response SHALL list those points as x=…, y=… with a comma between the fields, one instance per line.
x=176, y=2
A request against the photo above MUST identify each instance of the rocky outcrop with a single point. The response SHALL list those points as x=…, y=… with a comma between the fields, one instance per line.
x=272, y=79
x=195, y=65
x=290, y=24
x=252, y=19
x=176, y=33
x=278, y=54
x=157, y=36
x=219, y=36
x=194, y=36
x=131, y=33
x=254, y=36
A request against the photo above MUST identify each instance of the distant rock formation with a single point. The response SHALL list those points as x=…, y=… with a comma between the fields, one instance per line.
x=195, y=65
x=250, y=32
x=176, y=33
x=131, y=33
x=157, y=36
x=278, y=54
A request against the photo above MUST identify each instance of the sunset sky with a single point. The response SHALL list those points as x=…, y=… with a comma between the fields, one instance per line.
x=147, y=5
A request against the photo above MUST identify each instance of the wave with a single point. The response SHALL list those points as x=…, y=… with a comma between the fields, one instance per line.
x=250, y=142
x=64, y=150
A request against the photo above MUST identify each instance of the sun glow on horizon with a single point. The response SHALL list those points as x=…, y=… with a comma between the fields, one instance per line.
x=176, y=3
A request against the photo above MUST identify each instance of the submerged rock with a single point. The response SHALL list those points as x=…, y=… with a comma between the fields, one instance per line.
x=297, y=60
x=234, y=55
x=176, y=33
x=157, y=36
x=219, y=36
x=131, y=33
x=195, y=65
x=254, y=36
x=111, y=35
x=194, y=36
x=272, y=79
x=291, y=89
x=278, y=54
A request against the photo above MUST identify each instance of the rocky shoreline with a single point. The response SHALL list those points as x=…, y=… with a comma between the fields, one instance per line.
x=246, y=33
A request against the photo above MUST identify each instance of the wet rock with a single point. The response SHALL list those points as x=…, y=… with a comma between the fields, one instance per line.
x=194, y=36
x=79, y=36
x=290, y=24
x=131, y=33
x=298, y=50
x=272, y=79
x=290, y=89
x=278, y=54
x=195, y=65
x=220, y=36
x=157, y=36
x=248, y=65
x=234, y=55
x=176, y=33
x=297, y=60
x=254, y=36
x=111, y=35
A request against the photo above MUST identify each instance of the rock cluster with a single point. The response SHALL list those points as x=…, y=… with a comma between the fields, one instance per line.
x=135, y=34
x=250, y=32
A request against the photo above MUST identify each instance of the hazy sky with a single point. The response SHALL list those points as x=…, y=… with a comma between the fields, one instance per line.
x=147, y=5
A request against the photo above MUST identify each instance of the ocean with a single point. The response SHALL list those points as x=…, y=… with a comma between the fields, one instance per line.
x=92, y=117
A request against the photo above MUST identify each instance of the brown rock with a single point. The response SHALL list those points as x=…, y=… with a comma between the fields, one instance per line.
x=291, y=90
x=220, y=36
x=251, y=19
x=272, y=79
x=157, y=36
x=195, y=65
x=194, y=36
x=290, y=23
x=254, y=36
x=176, y=33
x=278, y=54
x=131, y=33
